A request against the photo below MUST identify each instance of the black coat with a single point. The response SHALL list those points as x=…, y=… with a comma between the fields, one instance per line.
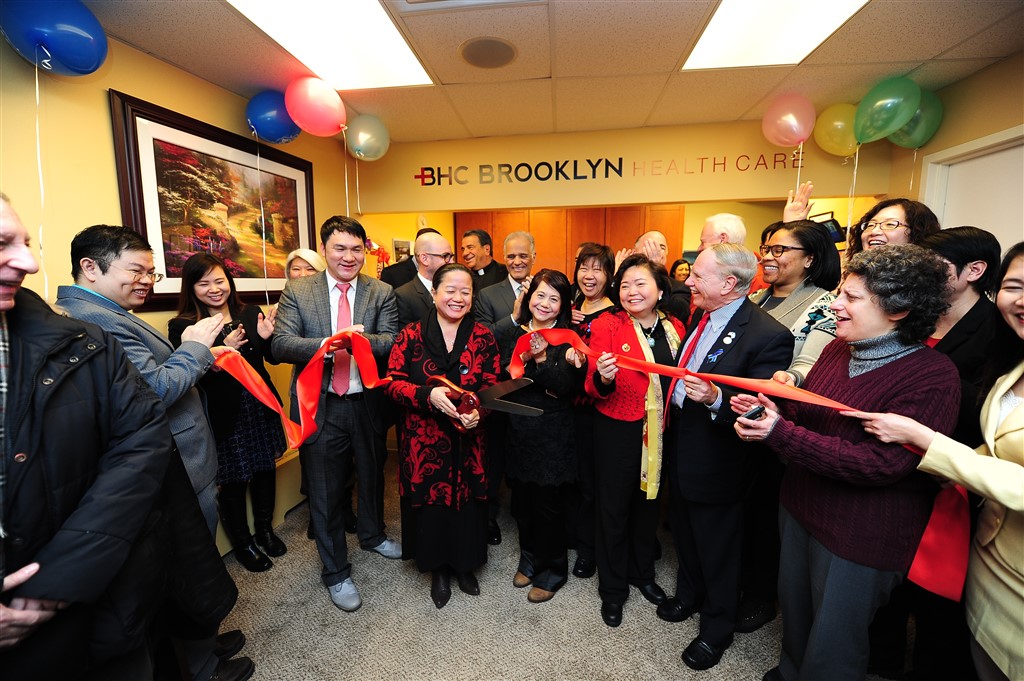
x=101, y=501
x=968, y=344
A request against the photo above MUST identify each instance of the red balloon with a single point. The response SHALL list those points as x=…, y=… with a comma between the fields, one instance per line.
x=789, y=120
x=315, y=107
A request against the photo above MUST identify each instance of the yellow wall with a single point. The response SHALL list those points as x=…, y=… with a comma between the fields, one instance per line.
x=990, y=101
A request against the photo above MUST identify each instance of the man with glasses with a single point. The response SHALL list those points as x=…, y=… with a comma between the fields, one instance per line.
x=114, y=273
x=404, y=271
x=430, y=251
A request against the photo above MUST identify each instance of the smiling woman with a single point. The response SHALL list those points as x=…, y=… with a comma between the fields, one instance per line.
x=893, y=221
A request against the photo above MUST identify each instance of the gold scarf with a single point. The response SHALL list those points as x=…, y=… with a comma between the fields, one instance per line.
x=654, y=410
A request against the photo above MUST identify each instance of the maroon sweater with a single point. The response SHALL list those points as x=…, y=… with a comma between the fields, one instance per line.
x=864, y=500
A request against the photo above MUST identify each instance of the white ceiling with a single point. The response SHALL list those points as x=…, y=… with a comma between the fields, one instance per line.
x=582, y=64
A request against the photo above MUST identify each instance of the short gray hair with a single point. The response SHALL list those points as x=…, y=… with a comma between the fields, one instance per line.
x=520, y=235
x=730, y=225
x=736, y=261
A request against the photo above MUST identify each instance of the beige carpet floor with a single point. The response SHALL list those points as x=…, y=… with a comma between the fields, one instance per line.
x=296, y=634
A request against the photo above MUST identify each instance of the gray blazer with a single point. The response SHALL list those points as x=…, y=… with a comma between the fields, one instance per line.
x=494, y=305
x=304, y=321
x=173, y=375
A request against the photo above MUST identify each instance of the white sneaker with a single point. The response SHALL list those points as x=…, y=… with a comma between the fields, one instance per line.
x=345, y=595
x=388, y=548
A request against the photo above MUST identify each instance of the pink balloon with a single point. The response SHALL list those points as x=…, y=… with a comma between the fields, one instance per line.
x=315, y=107
x=788, y=121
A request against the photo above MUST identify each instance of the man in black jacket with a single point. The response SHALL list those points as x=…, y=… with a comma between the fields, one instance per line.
x=88, y=479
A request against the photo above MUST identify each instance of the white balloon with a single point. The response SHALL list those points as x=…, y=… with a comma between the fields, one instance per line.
x=366, y=138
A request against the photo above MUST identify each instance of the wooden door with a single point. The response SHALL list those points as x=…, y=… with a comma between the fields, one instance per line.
x=547, y=227
x=624, y=225
x=667, y=219
x=582, y=224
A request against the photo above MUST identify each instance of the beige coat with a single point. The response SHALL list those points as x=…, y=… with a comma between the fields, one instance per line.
x=995, y=574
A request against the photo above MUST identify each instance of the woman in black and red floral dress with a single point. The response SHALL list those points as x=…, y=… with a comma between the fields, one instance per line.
x=441, y=477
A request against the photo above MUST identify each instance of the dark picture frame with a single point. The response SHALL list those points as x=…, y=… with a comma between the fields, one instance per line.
x=190, y=187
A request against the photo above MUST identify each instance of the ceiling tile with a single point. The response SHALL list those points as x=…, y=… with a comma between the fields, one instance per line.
x=601, y=103
x=519, y=108
x=436, y=38
x=1004, y=37
x=933, y=75
x=410, y=114
x=719, y=95
x=612, y=37
x=908, y=30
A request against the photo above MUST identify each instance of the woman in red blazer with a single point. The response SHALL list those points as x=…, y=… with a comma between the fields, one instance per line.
x=628, y=432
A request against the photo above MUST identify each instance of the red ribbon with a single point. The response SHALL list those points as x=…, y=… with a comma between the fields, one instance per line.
x=940, y=564
x=308, y=385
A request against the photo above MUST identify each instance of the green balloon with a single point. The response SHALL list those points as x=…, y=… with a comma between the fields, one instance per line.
x=888, y=107
x=923, y=126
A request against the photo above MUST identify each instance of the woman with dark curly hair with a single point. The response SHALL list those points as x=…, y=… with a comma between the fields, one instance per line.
x=853, y=509
x=892, y=222
x=994, y=592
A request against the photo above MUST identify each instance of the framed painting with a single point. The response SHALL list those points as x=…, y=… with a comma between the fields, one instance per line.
x=402, y=249
x=190, y=187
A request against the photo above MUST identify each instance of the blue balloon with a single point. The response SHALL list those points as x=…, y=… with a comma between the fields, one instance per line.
x=268, y=116
x=60, y=36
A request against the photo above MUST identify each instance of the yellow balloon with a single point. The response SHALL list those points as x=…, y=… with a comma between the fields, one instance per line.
x=834, y=130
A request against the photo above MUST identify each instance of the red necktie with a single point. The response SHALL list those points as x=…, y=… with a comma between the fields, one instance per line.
x=341, y=358
x=696, y=339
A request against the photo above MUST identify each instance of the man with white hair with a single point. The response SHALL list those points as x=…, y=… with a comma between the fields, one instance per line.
x=707, y=466
x=722, y=228
x=430, y=251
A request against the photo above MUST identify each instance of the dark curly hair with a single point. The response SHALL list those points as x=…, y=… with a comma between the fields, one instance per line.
x=906, y=278
x=560, y=283
x=920, y=219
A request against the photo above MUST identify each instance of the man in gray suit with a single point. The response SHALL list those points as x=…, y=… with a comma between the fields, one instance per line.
x=349, y=419
x=414, y=298
x=494, y=307
x=114, y=273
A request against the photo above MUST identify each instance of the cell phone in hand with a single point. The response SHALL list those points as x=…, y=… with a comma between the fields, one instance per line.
x=755, y=413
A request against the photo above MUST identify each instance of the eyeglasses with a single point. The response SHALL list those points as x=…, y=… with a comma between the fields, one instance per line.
x=778, y=250
x=138, y=276
x=447, y=257
x=886, y=226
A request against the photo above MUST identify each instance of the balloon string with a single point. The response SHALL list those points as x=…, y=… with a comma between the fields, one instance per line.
x=359, y=205
x=344, y=158
x=39, y=168
x=263, y=217
x=799, y=164
x=913, y=169
x=853, y=189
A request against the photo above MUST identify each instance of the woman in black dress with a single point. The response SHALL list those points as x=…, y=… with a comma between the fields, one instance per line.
x=542, y=455
x=249, y=435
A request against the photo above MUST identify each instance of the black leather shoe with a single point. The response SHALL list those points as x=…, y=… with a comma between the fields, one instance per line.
x=584, y=568
x=673, y=610
x=467, y=583
x=773, y=674
x=309, y=530
x=270, y=543
x=753, y=614
x=238, y=669
x=252, y=559
x=350, y=524
x=229, y=643
x=493, y=533
x=440, y=588
x=701, y=655
x=652, y=592
x=611, y=613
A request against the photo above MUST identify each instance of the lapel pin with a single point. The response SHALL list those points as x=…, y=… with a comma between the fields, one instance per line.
x=625, y=347
x=713, y=357
x=729, y=337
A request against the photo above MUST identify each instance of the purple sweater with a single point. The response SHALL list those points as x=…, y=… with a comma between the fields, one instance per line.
x=864, y=500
